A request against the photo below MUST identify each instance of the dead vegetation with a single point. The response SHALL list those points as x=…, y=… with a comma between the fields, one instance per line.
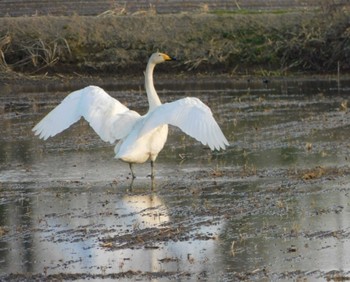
x=4, y=42
x=279, y=42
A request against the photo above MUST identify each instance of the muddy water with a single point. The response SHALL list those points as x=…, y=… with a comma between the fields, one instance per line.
x=273, y=206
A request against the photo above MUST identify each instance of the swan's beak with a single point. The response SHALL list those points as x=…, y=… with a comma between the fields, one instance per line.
x=168, y=58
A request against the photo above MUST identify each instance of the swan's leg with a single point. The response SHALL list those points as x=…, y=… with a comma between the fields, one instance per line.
x=152, y=170
x=132, y=171
x=131, y=184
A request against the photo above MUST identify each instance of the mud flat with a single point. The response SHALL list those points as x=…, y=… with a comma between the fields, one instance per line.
x=274, y=205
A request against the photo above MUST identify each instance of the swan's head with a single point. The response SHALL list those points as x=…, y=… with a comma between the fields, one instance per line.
x=158, y=58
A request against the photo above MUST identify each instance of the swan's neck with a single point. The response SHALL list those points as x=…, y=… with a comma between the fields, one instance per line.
x=152, y=95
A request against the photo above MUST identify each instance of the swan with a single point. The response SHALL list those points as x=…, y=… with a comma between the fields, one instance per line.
x=140, y=137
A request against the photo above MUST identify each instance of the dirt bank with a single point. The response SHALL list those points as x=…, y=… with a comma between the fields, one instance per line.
x=266, y=43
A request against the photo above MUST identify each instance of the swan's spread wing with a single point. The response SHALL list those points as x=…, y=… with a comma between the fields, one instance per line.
x=103, y=113
x=192, y=117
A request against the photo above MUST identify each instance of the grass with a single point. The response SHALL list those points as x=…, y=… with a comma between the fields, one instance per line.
x=4, y=42
x=241, y=42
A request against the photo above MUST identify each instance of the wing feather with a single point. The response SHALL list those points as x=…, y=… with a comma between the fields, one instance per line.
x=110, y=119
x=193, y=117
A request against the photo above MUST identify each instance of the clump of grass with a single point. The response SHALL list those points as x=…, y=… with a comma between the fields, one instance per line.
x=317, y=45
x=117, y=10
x=46, y=53
x=36, y=47
x=4, y=42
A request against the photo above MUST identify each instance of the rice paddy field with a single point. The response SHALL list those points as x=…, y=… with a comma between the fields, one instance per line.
x=274, y=206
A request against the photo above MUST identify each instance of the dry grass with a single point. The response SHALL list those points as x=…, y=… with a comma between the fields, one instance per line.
x=4, y=42
x=115, y=42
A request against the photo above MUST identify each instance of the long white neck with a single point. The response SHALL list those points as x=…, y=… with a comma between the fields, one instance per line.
x=152, y=95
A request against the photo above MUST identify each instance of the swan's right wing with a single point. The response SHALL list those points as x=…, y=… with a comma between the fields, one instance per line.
x=192, y=116
x=110, y=119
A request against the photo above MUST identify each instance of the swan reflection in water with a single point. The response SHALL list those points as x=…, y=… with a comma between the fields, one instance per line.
x=72, y=240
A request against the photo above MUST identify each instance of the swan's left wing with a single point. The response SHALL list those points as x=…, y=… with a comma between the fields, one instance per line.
x=192, y=117
x=110, y=119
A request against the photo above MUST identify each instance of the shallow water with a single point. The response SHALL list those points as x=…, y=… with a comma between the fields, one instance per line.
x=274, y=205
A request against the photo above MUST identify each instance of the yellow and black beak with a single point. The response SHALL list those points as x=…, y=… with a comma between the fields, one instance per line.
x=168, y=58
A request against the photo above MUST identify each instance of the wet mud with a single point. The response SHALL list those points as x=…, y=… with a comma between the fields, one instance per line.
x=273, y=207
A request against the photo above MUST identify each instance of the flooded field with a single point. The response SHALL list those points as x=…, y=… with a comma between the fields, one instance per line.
x=273, y=206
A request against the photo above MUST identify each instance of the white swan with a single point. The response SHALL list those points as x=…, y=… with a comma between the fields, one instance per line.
x=141, y=137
